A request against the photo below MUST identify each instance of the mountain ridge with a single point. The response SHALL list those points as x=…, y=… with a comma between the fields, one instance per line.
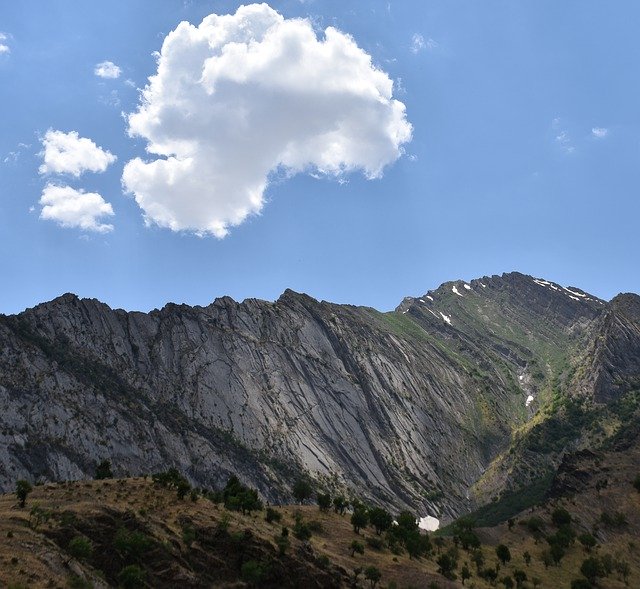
x=404, y=407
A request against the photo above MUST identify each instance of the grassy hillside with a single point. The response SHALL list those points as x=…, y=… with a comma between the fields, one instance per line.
x=136, y=533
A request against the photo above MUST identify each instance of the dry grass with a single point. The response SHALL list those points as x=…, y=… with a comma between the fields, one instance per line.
x=28, y=558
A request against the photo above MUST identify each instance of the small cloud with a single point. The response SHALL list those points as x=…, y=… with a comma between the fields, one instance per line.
x=4, y=48
x=600, y=132
x=130, y=83
x=418, y=43
x=13, y=156
x=107, y=69
x=68, y=153
x=75, y=209
x=562, y=137
x=112, y=99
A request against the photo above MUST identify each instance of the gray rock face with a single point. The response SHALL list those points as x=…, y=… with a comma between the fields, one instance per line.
x=406, y=409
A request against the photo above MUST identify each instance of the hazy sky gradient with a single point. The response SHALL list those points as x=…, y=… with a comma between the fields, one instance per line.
x=525, y=156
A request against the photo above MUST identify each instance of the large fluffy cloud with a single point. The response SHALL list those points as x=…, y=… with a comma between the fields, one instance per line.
x=68, y=153
x=242, y=96
x=75, y=208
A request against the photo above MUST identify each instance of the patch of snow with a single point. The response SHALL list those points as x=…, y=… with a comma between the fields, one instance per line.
x=428, y=523
x=573, y=292
x=528, y=401
x=574, y=298
x=521, y=377
x=430, y=297
x=405, y=311
x=483, y=285
x=467, y=286
x=455, y=290
x=446, y=318
x=430, y=311
x=421, y=300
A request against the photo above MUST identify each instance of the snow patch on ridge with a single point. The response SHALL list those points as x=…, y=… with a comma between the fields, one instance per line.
x=456, y=291
x=529, y=400
x=446, y=318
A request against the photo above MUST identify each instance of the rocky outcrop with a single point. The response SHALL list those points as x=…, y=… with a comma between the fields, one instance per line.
x=407, y=408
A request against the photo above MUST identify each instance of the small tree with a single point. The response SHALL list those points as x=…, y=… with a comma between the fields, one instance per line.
x=527, y=557
x=561, y=517
x=283, y=543
x=23, y=488
x=80, y=548
x=587, y=540
x=324, y=501
x=446, y=565
x=592, y=569
x=520, y=577
x=103, y=470
x=302, y=490
x=507, y=581
x=503, y=553
x=356, y=547
x=636, y=483
x=477, y=558
x=380, y=519
x=340, y=504
x=557, y=553
x=465, y=573
x=359, y=519
x=373, y=575
x=131, y=577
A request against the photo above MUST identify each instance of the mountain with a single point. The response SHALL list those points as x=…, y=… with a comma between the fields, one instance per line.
x=442, y=405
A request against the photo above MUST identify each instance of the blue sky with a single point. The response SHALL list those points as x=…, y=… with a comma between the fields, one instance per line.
x=524, y=156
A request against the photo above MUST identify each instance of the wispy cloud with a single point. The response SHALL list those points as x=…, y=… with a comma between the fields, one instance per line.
x=562, y=137
x=419, y=43
x=600, y=132
x=107, y=69
x=4, y=47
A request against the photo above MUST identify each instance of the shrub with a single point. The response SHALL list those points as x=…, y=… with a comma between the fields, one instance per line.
x=301, y=530
x=239, y=497
x=324, y=501
x=253, y=572
x=131, y=577
x=592, y=568
x=376, y=543
x=373, y=575
x=80, y=548
x=503, y=553
x=340, y=504
x=447, y=565
x=273, y=515
x=23, y=488
x=103, y=471
x=587, y=540
x=282, y=542
x=636, y=483
x=561, y=517
x=356, y=547
x=580, y=584
x=132, y=545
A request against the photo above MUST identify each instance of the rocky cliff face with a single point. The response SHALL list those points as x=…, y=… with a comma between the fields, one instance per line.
x=407, y=408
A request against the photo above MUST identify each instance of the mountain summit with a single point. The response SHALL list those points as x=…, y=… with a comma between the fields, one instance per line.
x=432, y=406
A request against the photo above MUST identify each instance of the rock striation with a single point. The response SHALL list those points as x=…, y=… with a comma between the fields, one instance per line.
x=406, y=409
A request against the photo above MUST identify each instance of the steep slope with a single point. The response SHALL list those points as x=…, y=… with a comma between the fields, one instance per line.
x=407, y=408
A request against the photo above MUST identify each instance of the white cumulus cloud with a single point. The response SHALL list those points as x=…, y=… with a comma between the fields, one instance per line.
x=246, y=95
x=75, y=208
x=68, y=153
x=600, y=132
x=107, y=69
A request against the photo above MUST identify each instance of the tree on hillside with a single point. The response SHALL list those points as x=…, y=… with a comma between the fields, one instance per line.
x=359, y=519
x=340, y=504
x=380, y=519
x=103, y=471
x=23, y=488
x=373, y=575
x=356, y=547
x=302, y=490
x=324, y=501
x=503, y=553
